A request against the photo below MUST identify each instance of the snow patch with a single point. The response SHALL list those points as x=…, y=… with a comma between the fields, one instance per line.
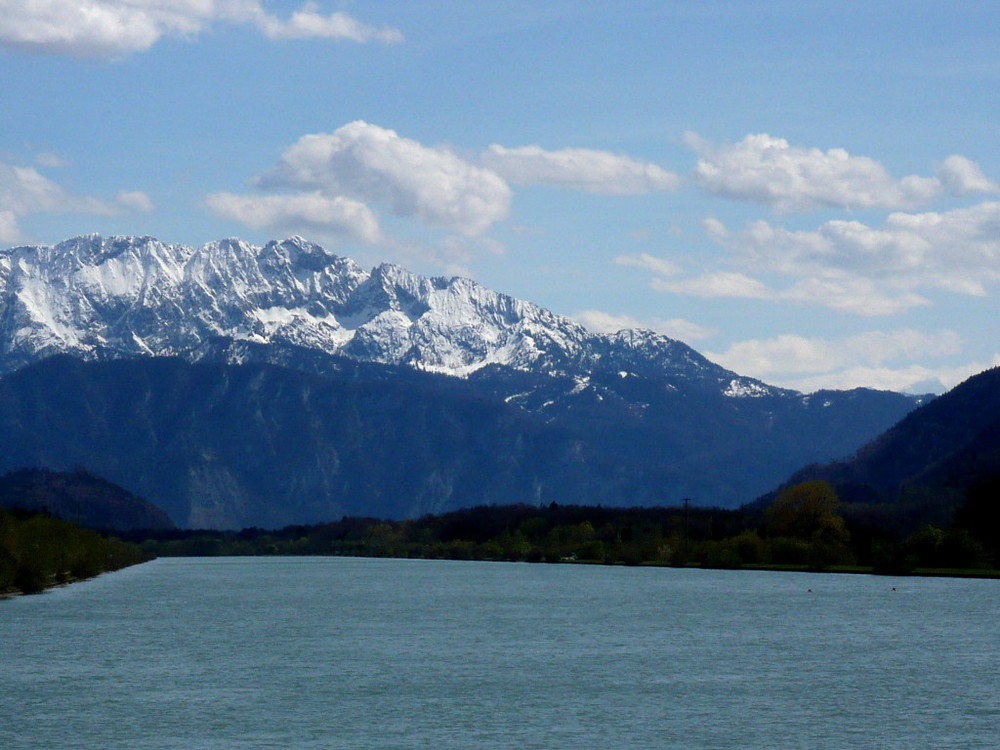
x=745, y=389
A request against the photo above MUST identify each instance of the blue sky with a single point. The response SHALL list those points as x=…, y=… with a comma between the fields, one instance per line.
x=806, y=192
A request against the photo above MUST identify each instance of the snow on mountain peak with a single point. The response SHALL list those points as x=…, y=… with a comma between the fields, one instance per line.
x=96, y=296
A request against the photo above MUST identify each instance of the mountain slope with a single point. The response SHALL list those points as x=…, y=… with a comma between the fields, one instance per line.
x=927, y=466
x=634, y=397
x=81, y=498
x=228, y=446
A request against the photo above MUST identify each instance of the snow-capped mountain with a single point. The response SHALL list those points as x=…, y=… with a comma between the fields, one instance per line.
x=188, y=374
x=123, y=297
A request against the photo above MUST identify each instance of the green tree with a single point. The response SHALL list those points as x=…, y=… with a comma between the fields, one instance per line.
x=807, y=512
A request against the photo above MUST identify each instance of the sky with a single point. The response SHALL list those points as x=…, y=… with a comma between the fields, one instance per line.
x=804, y=191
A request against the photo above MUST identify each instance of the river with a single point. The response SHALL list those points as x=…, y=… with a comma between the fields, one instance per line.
x=211, y=653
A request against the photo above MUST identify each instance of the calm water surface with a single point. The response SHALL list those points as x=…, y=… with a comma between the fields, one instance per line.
x=351, y=653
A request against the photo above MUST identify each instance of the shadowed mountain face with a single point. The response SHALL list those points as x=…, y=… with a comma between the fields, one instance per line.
x=926, y=467
x=81, y=498
x=229, y=446
x=237, y=385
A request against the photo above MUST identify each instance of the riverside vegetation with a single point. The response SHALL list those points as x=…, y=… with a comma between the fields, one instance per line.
x=802, y=529
x=38, y=551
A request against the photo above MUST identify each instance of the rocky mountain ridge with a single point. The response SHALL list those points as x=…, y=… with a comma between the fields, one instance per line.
x=622, y=419
x=121, y=297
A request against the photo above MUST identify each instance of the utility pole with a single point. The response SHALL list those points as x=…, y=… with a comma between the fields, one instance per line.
x=686, y=501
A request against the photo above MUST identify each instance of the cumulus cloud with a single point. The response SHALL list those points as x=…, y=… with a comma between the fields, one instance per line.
x=578, y=169
x=25, y=191
x=956, y=251
x=962, y=176
x=112, y=29
x=790, y=179
x=848, y=266
x=676, y=328
x=307, y=22
x=9, y=231
x=376, y=165
x=877, y=359
x=334, y=216
x=50, y=160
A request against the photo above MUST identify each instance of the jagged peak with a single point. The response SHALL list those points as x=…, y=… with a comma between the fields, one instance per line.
x=642, y=336
x=299, y=252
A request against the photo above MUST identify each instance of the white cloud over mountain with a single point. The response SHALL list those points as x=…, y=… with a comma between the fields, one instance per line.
x=676, y=328
x=112, y=29
x=793, y=354
x=336, y=215
x=792, y=179
x=848, y=265
x=25, y=191
x=375, y=165
x=882, y=359
x=578, y=169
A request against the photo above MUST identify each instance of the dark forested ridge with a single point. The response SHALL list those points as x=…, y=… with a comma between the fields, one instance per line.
x=80, y=497
x=217, y=445
x=940, y=465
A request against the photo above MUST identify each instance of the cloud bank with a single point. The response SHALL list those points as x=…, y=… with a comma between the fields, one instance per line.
x=364, y=166
x=374, y=165
x=880, y=359
x=847, y=266
x=792, y=179
x=113, y=29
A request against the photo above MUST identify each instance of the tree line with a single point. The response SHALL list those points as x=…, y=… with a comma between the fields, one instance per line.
x=803, y=528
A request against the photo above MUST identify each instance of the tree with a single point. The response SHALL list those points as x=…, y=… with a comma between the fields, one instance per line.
x=808, y=512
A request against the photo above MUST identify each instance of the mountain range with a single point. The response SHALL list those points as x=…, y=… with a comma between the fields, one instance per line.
x=235, y=385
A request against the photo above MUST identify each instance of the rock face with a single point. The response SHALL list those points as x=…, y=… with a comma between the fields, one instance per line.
x=123, y=297
x=671, y=423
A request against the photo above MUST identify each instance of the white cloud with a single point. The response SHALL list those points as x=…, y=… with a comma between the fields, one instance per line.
x=334, y=216
x=908, y=379
x=848, y=265
x=957, y=251
x=875, y=359
x=769, y=170
x=578, y=169
x=52, y=161
x=717, y=284
x=111, y=29
x=9, y=232
x=962, y=177
x=135, y=200
x=25, y=191
x=788, y=353
x=376, y=165
x=676, y=328
x=307, y=23
x=659, y=266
